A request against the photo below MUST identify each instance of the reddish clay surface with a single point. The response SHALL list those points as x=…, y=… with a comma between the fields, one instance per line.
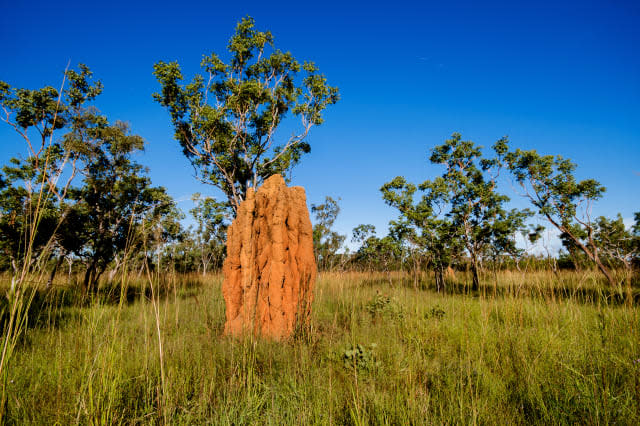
x=270, y=270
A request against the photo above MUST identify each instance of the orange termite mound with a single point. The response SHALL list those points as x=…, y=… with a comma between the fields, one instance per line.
x=270, y=269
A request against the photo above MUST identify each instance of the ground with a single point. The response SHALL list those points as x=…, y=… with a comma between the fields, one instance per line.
x=381, y=349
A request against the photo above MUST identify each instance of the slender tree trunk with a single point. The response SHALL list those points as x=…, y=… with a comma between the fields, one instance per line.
x=439, y=276
x=495, y=277
x=142, y=267
x=591, y=254
x=115, y=269
x=605, y=271
x=474, y=269
x=54, y=270
x=89, y=278
x=416, y=271
x=70, y=262
x=96, y=278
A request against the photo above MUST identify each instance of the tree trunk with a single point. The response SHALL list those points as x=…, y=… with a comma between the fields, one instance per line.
x=54, y=270
x=474, y=269
x=70, y=262
x=142, y=267
x=89, y=278
x=605, y=271
x=591, y=254
x=115, y=269
x=439, y=276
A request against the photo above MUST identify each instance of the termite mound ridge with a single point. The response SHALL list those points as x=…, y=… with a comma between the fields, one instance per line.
x=270, y=269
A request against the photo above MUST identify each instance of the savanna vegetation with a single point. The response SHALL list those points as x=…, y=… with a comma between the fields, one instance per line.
x=112, y=310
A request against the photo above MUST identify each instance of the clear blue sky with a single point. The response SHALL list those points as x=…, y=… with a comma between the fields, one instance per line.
x=559, y=77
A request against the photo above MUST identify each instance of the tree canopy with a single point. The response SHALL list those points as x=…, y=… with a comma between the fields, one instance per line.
x=550, y=184
x=226, y=119
x=460, y=208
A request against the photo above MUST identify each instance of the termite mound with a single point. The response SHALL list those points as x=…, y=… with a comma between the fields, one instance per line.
x=270, y=269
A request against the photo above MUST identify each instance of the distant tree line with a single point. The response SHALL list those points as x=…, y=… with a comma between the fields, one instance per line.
x=460, y=217
x=80, y=201
x=80, y=197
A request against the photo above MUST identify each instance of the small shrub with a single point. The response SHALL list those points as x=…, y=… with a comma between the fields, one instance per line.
x=383, y=306
x=361, y=358
x=436, y=312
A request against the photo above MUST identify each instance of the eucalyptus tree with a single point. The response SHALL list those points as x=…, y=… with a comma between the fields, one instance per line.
x=618, y=243
x=384, y=253
x=459, y=209
x=362, y=233
x=550, y=185
x=212, y=220
x=226, y=119
x=37, y=185
x=422, y=223
x=114, y=200
x=326, y=242
x=24, y=233
x=469, y=185
x=157, y=232
x=378, y=253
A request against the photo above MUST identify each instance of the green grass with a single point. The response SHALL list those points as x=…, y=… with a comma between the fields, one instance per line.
x=526, y=350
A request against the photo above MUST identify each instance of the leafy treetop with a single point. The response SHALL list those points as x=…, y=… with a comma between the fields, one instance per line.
x=226, y=119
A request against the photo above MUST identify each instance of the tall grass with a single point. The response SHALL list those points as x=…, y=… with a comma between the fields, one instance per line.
x=525, y=349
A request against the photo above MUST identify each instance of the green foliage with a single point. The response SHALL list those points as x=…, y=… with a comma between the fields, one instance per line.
x=226, y=120
x=533, y=233
x=376, y=254
x=212, y=219
x=422, y=225
x=18, y=214
x=550, y=185
x=528, y=357
x=362, y=233
x=461, y=208
x=361, y=358
x=476, y=208
x=617, y=244
x=382, y=305
x=380, y=254
x=46, y=110
x=114, y=201
x=46, y=212
x=326, y=242
x=35, y=189
x=436, y=312
x=554, y=190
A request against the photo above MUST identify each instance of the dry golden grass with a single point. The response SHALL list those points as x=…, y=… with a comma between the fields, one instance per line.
x=534, y=348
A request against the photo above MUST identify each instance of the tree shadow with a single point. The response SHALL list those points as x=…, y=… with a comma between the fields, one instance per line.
x=56, y=306
x=557, y=292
